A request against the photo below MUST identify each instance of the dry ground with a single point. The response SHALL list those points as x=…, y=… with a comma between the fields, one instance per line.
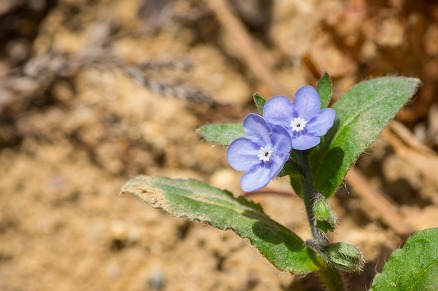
x=94, y=92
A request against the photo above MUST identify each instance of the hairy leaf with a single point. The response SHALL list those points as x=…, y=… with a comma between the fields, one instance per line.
x=221, y=133
x=195, y=200
x=415, y=267
x=361, y=115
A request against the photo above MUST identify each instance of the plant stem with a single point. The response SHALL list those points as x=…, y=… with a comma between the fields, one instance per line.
x=309, y=195
x=331, y=277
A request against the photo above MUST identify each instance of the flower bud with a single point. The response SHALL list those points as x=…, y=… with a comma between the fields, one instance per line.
x=325, y=217
x=342, y=256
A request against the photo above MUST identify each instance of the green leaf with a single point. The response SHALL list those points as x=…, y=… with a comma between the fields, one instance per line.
x=195, y=200
x=361, y=115
x=415, y=267
x=324, y=89
x=223, y=133
x=259, y=102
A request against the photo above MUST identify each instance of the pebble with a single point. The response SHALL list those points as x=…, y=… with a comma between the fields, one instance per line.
x=156, y=280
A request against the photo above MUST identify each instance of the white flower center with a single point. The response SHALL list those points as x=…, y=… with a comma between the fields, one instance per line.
x=298, y=124
x=264, y=153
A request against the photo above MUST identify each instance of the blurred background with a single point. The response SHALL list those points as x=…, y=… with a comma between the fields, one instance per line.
x=93, y=92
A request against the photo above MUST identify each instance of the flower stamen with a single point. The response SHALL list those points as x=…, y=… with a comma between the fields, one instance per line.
x=298, y=124
x=264, y=153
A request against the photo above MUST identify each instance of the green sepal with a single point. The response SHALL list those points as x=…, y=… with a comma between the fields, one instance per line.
x=325, y=217
x=259, y=102
x=325, y=226
x=324, y=89
x=342, y=256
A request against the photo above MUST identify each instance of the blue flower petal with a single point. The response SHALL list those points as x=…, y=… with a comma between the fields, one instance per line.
x=278, y=110
x=321, y=123
x=304, y=141
x=257, y=130
x=274, y=130
x=278, y=162
x=242, y=154
x=281, y=142
x=256, y=178
x=306, y=102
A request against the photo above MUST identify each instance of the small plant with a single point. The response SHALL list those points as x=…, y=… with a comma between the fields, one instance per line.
x=315, y=146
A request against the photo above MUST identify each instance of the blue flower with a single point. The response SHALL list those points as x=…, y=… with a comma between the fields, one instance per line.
x=302, y=118
x=262, y=155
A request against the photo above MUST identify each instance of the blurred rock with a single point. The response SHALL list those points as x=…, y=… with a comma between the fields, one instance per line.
x=431, y=41
x=123, y=234
x=422, y=218
x=390, y=33
x=227, y=178
x=156, y=280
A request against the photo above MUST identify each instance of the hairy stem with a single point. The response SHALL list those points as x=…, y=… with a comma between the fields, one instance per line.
x=309, y=196
x=332, y=279
x=330, y=276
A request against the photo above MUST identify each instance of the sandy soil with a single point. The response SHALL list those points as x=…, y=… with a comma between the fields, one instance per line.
x=95, y=92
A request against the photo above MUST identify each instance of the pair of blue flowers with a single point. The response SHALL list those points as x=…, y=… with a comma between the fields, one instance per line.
x=284, y=126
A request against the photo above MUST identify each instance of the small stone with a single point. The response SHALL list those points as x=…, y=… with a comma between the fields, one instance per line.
x=156, y=280
x=113, y=270
x=431, y=41
x=391, y=33
x=226, y=178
